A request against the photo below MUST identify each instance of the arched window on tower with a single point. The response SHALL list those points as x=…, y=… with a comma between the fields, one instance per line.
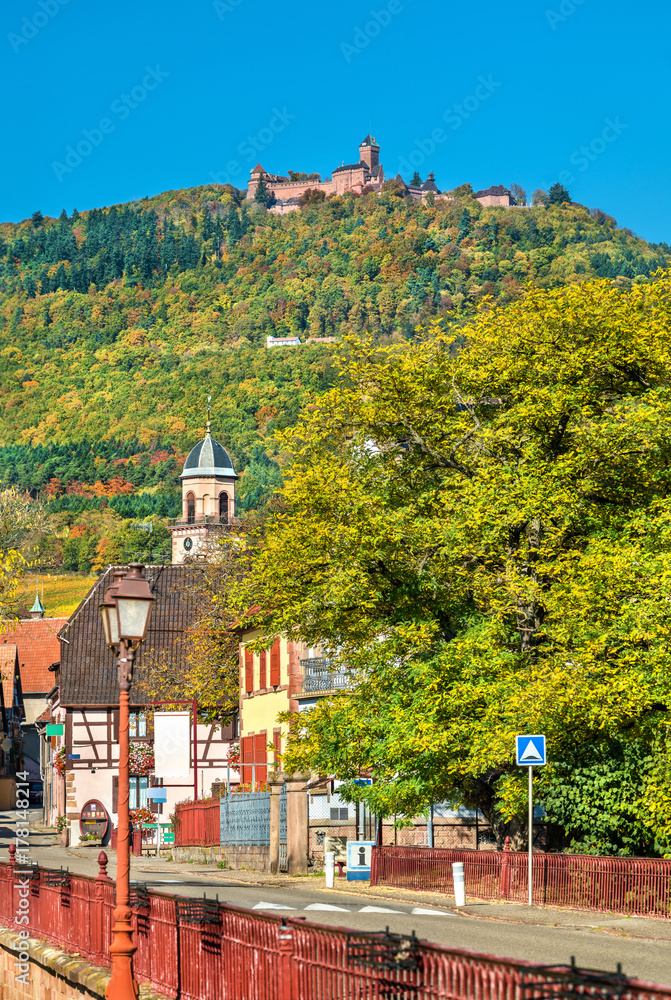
x=223, y=508
x=190, y=509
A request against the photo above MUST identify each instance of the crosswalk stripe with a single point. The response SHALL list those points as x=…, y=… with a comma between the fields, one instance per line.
x=378, y=909
x=327, y=906
x=435, y=913
x=272, y=906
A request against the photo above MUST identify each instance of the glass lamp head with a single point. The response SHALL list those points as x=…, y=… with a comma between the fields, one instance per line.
x=133, y=599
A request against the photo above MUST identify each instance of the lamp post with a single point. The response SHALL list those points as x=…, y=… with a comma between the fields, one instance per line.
x=125, y=613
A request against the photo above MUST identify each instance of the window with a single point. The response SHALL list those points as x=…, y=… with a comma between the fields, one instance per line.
x=138, y=791
x=263, y=676
x=190, y=509
x=223, y=507
x=339, y=813
x=138, y=726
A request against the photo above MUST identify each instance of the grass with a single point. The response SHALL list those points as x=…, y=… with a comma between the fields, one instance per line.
x=62, y=593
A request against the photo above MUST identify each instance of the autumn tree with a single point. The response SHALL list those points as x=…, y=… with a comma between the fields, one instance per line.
x=519, y=194
x=481, y=536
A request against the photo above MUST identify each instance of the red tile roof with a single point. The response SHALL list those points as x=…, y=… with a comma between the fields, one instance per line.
x=38, y=647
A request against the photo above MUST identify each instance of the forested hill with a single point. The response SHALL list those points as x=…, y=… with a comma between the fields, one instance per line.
x=116, y=323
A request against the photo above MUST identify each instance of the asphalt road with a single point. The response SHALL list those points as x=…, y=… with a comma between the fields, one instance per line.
x=641, y=957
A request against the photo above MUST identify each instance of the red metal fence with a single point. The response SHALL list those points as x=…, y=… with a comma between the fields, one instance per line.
x=640, y=886
x=197, y=824
x=242, y=955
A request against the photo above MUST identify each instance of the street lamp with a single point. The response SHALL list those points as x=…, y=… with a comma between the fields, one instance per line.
x=125, y=613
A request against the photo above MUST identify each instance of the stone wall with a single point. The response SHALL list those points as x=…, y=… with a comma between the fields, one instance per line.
x=235, y=858
x=49, y=974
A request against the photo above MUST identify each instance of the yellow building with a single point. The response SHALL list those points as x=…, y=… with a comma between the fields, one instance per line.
x=287, y=677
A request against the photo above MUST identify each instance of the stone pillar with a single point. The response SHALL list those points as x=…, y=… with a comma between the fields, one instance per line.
x=276, y=782
x=297, y=823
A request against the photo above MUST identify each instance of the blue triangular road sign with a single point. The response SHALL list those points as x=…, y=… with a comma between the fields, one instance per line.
x=530, y=750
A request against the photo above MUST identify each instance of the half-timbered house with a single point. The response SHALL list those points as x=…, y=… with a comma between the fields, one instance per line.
x=89, y=697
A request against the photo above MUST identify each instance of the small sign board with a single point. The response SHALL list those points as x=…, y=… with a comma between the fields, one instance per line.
x=530, y=750
x=74, y=756
x=55, y=729
x=157, y=794
x=94, y=818
x=358, y=859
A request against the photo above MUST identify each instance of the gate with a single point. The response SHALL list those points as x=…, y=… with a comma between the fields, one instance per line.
x=284, y=865
x=245, y=819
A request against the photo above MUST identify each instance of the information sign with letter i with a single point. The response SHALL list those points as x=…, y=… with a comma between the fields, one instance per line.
x=530, y=752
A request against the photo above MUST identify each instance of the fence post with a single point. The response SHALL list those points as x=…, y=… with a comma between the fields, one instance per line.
x=276, y=782
x=505, y=870
x=297, y=823
x=97, y=923
x=288, y=989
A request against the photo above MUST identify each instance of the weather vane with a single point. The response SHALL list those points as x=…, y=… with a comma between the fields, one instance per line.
x=209, y=412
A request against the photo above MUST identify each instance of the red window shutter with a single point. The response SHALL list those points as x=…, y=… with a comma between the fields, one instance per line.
x=261, y=756
x=246, y=758
x=249, y=671
x=275, y=664
x=263, y=677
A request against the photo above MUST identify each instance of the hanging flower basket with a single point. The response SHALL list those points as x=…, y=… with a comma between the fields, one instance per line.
x=141, y=758
x=60, y=758
x=139, y=816
x=234, y=755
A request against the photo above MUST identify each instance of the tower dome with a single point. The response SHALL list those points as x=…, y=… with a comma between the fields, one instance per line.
x=208, y=458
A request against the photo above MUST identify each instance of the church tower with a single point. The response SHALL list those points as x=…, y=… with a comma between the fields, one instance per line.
x=208, y=498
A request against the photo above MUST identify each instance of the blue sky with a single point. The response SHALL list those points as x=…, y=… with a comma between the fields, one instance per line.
x=106, y=101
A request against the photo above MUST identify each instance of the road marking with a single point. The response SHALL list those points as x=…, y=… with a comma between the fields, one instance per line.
x=378, y=909
x=434, y=913
x=327, y=906
x=272, y=906
x=169, y=881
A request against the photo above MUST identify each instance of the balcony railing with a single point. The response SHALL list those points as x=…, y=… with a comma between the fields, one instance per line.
x=199, y=519
x=319, y=677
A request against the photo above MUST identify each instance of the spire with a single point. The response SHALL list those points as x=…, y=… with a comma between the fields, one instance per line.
x=209, y=412
x=37, y=610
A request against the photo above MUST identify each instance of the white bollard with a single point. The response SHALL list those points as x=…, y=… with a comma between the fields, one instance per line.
x=459, y=884
x=329, y=868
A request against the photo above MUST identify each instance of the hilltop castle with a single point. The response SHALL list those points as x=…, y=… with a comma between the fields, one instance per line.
x=367, y=174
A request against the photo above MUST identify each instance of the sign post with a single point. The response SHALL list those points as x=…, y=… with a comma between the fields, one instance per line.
x=530, y=752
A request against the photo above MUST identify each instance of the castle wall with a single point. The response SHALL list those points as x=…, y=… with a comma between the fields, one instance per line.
x=498, y=200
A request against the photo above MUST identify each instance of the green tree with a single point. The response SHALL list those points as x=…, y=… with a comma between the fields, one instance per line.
x=557, y=195
x=416, y=180
x=482, y=537
x=262, y=194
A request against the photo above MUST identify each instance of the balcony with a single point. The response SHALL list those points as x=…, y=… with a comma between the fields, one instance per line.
x=195, y=519
x=320, y=679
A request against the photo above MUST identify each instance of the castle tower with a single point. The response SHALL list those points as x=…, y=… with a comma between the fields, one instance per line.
x=208, y=498
x=369, y=152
